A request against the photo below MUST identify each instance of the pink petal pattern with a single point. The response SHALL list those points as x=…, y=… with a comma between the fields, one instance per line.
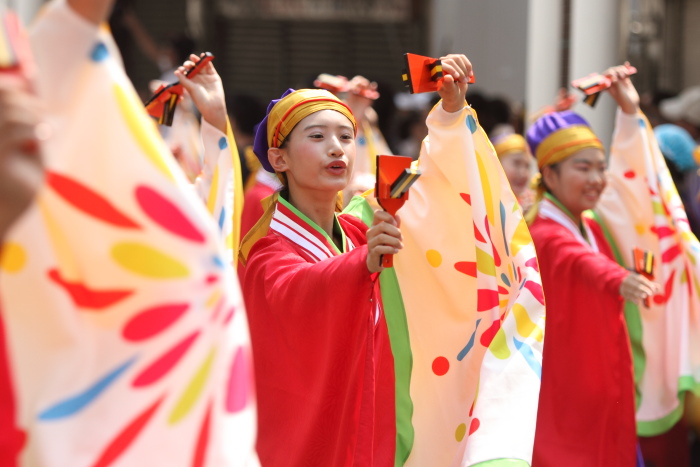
x=239, y=382
x=87, y=298
x=88, y=201
x=124, y=439
x=166, y=214
x=165, y=363
x=153, y=321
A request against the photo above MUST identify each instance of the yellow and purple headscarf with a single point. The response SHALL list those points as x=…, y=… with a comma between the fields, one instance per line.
x=558, y=135
x=553, y=138
x=284, y=113
x=509, y=144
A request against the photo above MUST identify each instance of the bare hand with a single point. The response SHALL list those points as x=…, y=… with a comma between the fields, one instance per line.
x=457, y=70
x=21, y=170
x=383, y=238
x=636, y=288
x=206, y=91
x=355, y=100
x=622, y=89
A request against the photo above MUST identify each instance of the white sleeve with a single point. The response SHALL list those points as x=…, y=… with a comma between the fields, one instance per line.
x=60, y=42
x=469, y=264
x=216, y=149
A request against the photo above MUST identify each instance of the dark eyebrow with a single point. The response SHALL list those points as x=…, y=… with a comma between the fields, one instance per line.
x=319, y=125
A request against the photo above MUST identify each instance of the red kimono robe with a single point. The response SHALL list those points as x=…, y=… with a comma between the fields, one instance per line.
x=323, y=365
x=11, y=438
x=586, y=407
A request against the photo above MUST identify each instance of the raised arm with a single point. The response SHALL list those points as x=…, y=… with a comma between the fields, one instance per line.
x=21, y=171
x=206, y=91
x=457, y=69
x=622, y=89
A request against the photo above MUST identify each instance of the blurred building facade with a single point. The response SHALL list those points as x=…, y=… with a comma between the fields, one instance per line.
x=522, y=50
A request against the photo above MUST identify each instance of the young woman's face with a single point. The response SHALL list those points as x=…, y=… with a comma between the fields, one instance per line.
x=578, y=181
x=319, y=154
x=517, y=167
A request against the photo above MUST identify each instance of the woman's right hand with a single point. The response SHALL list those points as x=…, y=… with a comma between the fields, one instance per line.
x=637, y=289
x=21, y=132
x=383, y=238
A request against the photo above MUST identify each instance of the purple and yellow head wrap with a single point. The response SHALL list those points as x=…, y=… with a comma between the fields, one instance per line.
x=284, y=113
x=558, y=135
x=509, y=144
x=553, y=138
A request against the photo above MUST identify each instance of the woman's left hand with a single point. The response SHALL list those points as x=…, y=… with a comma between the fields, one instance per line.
x=206, y=90
x=457, y=70
x=21, y=133
x=622, y=89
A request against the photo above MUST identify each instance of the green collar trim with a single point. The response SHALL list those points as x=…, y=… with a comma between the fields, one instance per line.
x=336, y=226
x=578, y=222
x=554, y=200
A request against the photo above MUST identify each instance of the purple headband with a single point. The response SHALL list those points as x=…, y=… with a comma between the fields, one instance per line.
x=548, y=124
x=260, y=145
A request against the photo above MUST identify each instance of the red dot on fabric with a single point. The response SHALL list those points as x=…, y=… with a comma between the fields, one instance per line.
x=490, y=333
x=466, y=198
x=466, y=267
x=167, y=214
x=532, y=262
x=474, y=425
x=441, y=366
x=239, y=381
x=88, y=201
x=630, y=174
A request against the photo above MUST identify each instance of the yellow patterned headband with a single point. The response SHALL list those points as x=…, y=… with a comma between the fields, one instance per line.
x=298, y=105
x=510, y=144
x=564, y=142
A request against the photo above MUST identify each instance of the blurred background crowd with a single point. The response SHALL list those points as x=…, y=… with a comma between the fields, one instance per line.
x=523, y=52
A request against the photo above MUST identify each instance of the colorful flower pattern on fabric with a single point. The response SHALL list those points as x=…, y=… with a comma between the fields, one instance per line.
x=476, y=312
x=641, y=208
x=115, y=285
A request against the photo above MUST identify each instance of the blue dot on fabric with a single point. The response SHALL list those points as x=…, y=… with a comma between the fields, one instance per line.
x=78, y=402
x=218, y=262
x=505, y=280
x=222, y=218
x=471, y=123
x=361, y=140
x=529, y=355
x=99, y=52
x=223, y=144
x=642, y=123
x=463, y=353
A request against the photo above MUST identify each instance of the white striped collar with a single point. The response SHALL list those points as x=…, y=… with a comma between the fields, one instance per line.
x=291, y=224
x=294, y=226
x=549, y=210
